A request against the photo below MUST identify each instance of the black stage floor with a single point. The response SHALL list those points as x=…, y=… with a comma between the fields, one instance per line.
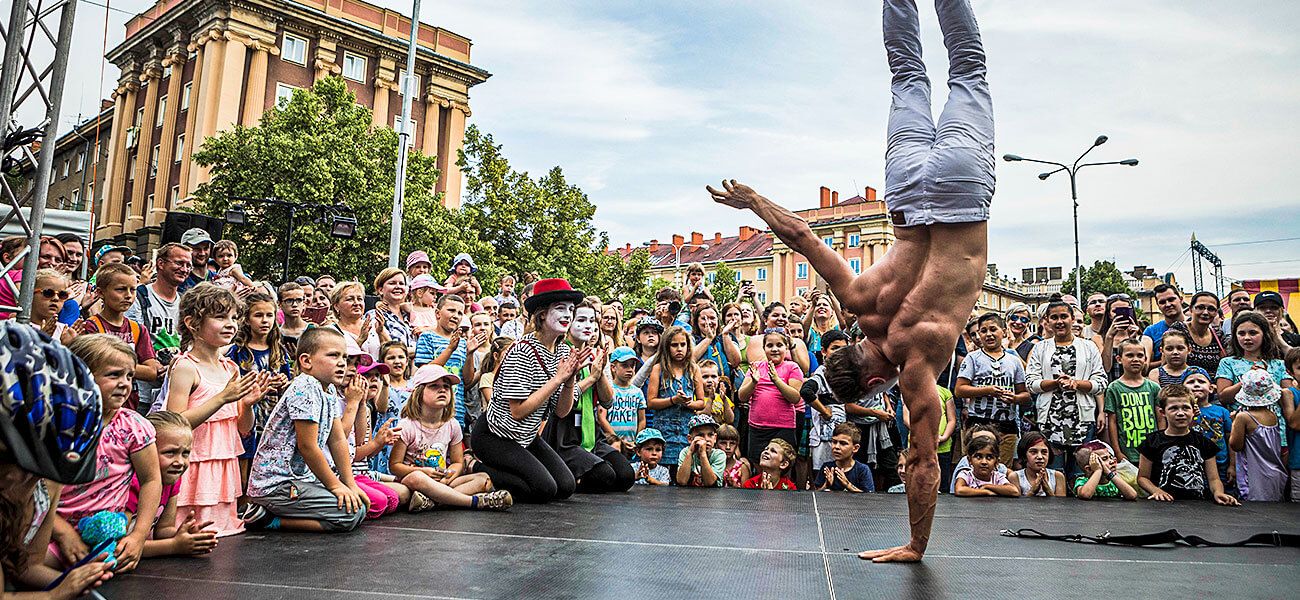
x=673, y=543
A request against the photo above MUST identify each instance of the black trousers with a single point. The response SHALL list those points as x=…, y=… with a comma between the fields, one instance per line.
x=613, y=474
x=534, y=474
x=759, y=437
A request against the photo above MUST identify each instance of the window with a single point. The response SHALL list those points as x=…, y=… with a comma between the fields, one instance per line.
x=294, y=49
x=401, y=80
x=185, y=96
x=149, y=201
x=162, y=112
x=711, y=277
x=130, y=171
x=139, y=116
x=167, y=71
x=283, y=94
x=800, y=291
x=176, y=197
x=397, y=123
x=855, y=240
x=354, y=67
x=95, y=157
x=180, y=148
x=81, y=160
x=856, y=265
x=801, y=270
x=153, y=163
x=67, y=166
x=737, y=275
x=762, y=297
x=829, y=241
x=76, y=200
x=762, y=274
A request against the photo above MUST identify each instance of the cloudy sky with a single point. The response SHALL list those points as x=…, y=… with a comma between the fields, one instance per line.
x=643, y=103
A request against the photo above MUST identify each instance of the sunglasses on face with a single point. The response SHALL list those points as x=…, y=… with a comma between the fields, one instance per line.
x=1119, y=297
x=1018, y=319
x=50, y=294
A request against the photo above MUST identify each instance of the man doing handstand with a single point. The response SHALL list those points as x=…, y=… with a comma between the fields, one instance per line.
x=911, y=306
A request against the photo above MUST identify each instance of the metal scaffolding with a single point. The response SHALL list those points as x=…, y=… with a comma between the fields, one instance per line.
x=37, y=37
x=1199, y=252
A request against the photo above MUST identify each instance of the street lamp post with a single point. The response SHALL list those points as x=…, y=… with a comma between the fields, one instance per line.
x=404, y=137
x=342, y=223
x=1073, y=170
x=677, y=259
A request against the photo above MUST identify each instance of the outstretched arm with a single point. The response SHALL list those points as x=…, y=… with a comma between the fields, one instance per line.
x=792, y=230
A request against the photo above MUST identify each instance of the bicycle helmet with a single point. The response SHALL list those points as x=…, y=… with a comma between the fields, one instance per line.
x=50, y=409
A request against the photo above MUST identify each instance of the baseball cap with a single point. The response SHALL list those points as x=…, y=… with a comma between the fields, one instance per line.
x=649, y=433
x=623, y=353
x=1268, y=297
x=195, y=236
x=106, y=248
x=430, y=373
x=701, y=421
x=373, y=366
x=649, y=321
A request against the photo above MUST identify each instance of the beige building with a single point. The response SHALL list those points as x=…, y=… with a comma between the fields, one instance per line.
x=192, y=68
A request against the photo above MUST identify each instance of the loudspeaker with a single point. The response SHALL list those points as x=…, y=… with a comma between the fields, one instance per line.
x=177, y=223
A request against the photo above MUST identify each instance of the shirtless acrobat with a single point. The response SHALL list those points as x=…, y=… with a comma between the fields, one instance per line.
x=913, y=303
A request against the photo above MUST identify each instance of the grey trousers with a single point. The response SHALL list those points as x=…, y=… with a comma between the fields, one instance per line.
x=937, y=173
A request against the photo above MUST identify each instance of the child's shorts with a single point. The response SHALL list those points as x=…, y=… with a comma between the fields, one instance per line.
x=309, y=500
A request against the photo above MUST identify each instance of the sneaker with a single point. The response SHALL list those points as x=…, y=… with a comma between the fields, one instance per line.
x=420, y=502
x=255, y=516
x=498, y=500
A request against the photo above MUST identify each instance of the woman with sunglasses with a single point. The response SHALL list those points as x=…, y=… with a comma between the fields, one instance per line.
x=1205, y=347
x=1021, y=340
x=52, y=256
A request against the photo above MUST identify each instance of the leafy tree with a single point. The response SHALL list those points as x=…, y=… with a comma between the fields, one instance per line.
x=321, y=147
x=542, y=225
x=725, y=284
x=1103, y=276
x=645, y=297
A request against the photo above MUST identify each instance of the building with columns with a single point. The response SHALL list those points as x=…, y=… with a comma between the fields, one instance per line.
x=193, y=68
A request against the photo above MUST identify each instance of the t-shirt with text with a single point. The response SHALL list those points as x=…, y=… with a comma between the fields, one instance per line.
x=982, y=370
x=1135, y=412
x=623, y=410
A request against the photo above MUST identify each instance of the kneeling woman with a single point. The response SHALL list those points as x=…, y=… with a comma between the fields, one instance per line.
x=536, y=378
x=597, y=466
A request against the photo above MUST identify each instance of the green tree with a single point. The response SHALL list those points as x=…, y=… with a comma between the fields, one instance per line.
x=321, y=147
x=542, y=225
x=726, y=285
x=1103, y=277
x=645, y=297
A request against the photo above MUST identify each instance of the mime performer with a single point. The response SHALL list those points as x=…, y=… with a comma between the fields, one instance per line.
x=911, y=305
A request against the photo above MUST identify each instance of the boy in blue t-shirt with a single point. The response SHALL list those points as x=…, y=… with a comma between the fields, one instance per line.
x=1215, y=423
x=446, y=345
x=844, y=473
x=626, y=413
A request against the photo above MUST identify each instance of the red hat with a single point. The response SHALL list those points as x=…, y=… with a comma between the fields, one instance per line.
x=549, y=291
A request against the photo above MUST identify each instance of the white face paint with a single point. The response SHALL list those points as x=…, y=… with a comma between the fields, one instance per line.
x=558, y=317
x=584, y=324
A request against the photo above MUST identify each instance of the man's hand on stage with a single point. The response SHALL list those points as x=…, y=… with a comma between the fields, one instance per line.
x=735, y=195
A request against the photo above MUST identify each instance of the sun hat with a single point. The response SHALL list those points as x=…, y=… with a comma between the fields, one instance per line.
x=417, y=257
x=649, y=433
x=430, y=373
x=623, y=353
x=1258, y=389
x=463, y=257
x=549, y=291
x=701, y=421
x=374, y=366
x=425, y=280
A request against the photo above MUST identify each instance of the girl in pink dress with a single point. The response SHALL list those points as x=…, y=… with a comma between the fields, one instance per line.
x=205, y=388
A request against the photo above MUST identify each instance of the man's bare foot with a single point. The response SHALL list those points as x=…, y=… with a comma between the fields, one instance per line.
x=896, y=554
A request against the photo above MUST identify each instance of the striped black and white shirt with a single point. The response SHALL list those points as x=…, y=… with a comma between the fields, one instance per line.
x=519, y=375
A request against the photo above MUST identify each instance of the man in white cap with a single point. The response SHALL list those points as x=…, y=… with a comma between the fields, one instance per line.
x=200, y=244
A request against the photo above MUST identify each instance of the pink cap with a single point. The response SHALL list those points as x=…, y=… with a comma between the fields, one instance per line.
x=430, y=373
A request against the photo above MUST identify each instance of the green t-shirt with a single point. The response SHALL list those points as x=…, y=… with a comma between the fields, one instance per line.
x=1135, y=413
x=1104, y=490
x=945, y=397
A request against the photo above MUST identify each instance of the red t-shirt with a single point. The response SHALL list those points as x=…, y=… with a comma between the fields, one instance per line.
x=756, y=483
x=142, y=343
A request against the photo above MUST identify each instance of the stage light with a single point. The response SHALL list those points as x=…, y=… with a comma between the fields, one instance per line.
x=235, y=215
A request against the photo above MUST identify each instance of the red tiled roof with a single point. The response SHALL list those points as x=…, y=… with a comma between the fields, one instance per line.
x=731, y=249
